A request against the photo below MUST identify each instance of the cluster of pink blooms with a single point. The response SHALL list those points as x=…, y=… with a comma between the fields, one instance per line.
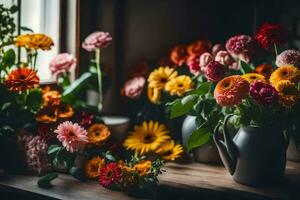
x=36, y=153
x=288, y=57
x=133, y=88
x=97, y=40
x=240, y=47
x=62, y=63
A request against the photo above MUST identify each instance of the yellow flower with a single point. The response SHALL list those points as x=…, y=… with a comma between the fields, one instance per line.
x=153, y=95
x=65, y=111
x=129, y=177
x=169, y=150
x=251, y=77
x=159, y=77
x=34, y=41
x=93, y=167
x=147, y=137
x=179, y=85
x=98, y=134
x=288, y=93
x=288, y=72
x=143, y=167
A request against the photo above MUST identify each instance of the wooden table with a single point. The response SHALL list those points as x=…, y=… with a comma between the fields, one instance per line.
x=189, y=181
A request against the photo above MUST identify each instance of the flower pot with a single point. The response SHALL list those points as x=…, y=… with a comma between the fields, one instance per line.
x=293, y=153
x=118, y=126
x=208, y=152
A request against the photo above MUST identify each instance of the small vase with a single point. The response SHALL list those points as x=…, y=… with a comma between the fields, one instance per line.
x=118, y=126
x=293, y=153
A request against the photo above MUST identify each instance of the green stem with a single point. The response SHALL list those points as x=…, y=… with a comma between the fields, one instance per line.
x=275, y=49
x=35, y=58
x=99, y=74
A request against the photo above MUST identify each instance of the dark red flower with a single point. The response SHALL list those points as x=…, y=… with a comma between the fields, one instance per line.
x=263, y=93
x=110, y=174
x=193, y=64
x=215, y=71
x=46, y=131
x=85, y=119
x=269, y=34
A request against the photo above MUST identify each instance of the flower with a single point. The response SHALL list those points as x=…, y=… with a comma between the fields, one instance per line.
x=204, y=59
x=251, y=77
x=146, y=137
x=224, y=58
x=93, y=167
x=133, y=88
x=193, y=64
x=22, y=79
x=50, y=97
x=231, y=90
x=263, y=93
x=62, y=63
x=288, y=57
x=215, y=71
x=179, y=85
x=97, y=40
x=179, y=55
x=65, y=111
x=240, y=47
x=169, y=150
x=288, y=93
x=45, y=131
x=34, y=41
x=143, y=167
x=269, y=34
x=159, y=77
x=235, y=66
x=198, y=47
x=129, y=177
x=287, y=72
x=216, y=48
x=85, y=119
x=153, y=95
x=264, y=69
x=72, y=136
x=98, y=134
x=110, y=174
x=48, y=114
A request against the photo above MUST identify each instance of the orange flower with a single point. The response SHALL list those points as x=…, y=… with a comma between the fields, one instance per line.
x=287, y=72
x=98, y=134
x=265, y=70
x=65, y=111
x=143, y=167
x=199, y=47
x=288, y=93
x=231, y=90
x=179, y=55
x=22, y=79
x=34, y=41
x=48, y=114
x=51, y=97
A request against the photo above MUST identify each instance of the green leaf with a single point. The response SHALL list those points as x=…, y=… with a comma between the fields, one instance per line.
x=45, y=181
x=23, y=28
x=183, y=106
x=109, y=156
x=6, y=106
x=77, y=85
x=9, y=58
x=13, y=9
x=34, y=99
x=54, y=148
x=245, y=68
x=199, y=137
x=202, y=89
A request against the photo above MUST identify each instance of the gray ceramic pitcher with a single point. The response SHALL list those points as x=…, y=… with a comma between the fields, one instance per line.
x=256, y=156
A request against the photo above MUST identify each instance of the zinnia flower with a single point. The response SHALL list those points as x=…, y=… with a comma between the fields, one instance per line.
x=198, y=47
x=179, y=85
x=98, y=134
x=216, y=48
x=45, y=131
x=143, y=167
x=48, y=114
x=224, y=58
x=193, y=64
x=153, y=95
x=21, y=79
x=251, y=77
x=110, y=174
x=133, y=88
x=51, y=97
x=147, y=137
x=159, y=77
x=288, y=93
x=170, y=151
x=231, y=90
x=240, y=47
x=62, y=63
x=94, y=166
x=269, y=34
x=72, y=136
x=287, y=72
x=288, y=57
x=215, y=71
x=85, y=119
x=34, y=41
x=64, y=111
x=97, y=40
x=263, y=94
x=204, y=59
x=179, y=55
x=264, y=69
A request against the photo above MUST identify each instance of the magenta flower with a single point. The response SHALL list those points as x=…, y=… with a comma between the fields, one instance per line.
x=224, y=58
x=62, y=63
x=204, y=59
x=133, y=88
x=193, y=64
x=215, y=71
x=97, y=40
x=240, y=47
x=72, y=136
x=263, y=93
x=288, y=57
x=216, y=48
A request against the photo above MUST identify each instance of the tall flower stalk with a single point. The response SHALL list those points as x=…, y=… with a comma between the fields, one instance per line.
x=99, y=76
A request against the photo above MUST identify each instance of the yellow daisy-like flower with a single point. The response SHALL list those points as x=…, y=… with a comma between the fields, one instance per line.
x=129, y=177
x=93, y=167
x=179, y=85
x=143, y=167
x=288, y=93
x=98, y=134
x=34, y=41
x=147, y=137
x=169, y=150
x=288, y=72
x=251, y=77
x=153, y=95
x=159, y=77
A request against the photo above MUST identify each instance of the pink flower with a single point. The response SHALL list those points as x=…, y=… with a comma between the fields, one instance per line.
x=62, y=63
x=72, y=136
x=204, y=59
x=224, y=58
x=263, y=93
x=288, y=57
x=193, y=64
x=133, y=88
x=240, y=47
x=215, y=71
x=235, y=66
x=216, y=48
x=97, y=40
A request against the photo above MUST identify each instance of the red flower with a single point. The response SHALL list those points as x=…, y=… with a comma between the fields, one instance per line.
x=215, y=71
x=263, y=94
x=110, y=174
x=45, y=131
x=193, y=64
x=269, y=34
x=179, y=55
x=85, y=119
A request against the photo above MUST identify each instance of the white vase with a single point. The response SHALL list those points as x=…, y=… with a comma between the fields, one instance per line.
x=118, y=126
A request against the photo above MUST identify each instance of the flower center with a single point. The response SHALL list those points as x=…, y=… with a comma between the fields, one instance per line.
x=109, y=174
x=149, y=138
x=163, y=80
x=71, y=133
x=253, y=77
x=22, y=77
x=180, y=85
